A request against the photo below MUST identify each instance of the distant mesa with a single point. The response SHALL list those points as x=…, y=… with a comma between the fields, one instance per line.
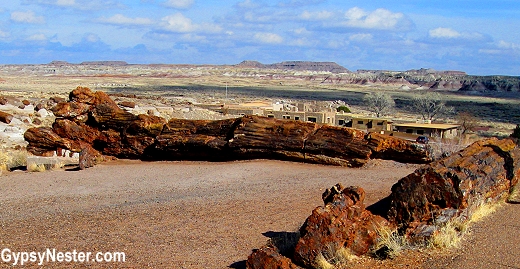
x=107, y=63
x=298, y=65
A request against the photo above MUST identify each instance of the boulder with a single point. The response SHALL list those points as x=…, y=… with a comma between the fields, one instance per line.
x=5, y=117
x=342, y=223
x=127, y=104
x=268, y=257
x=455, y=186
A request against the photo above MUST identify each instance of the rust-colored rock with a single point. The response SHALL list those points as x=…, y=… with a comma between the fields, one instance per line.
x=26, y=102
x=70, y=109
x=127, y=104
x=342, y=223
x=5, y=117
x=268, y=257
x=95, y=119
x=454, y=186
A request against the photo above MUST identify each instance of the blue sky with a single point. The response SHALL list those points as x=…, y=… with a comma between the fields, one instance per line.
x=479, y=37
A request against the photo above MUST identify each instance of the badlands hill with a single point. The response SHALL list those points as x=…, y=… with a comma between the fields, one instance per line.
x=317, y=72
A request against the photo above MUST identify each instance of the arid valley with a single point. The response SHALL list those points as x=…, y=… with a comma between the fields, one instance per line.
x=211, y=211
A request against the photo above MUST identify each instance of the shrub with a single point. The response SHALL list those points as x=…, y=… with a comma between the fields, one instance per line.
x=516, y=132
x=343, y=108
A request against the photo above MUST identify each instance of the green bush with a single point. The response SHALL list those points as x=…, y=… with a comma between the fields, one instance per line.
x=343, y=108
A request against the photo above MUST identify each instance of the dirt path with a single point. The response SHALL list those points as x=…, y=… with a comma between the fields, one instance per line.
x=171, y=214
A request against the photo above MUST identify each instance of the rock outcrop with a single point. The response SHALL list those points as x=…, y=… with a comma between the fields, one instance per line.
x=94, y=121
x=5, y=117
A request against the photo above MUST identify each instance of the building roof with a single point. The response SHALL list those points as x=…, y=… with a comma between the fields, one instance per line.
x=441, y=126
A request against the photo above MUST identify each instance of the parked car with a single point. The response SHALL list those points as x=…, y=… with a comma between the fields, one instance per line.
x=422, y=139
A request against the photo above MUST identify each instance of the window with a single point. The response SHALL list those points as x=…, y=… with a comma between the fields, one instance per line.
x=286, y=117
x=296, y=118
x=341, y=122
x=359, y=122
x=328, y=119
x=409, y=131
x=380, y=123
x=312, y=119
x=420, y=132
x=270, y=116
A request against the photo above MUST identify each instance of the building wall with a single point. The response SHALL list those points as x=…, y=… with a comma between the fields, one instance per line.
x=430, y=132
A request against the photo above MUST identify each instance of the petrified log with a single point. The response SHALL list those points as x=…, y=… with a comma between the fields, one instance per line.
x=454, y=186
x=95, y=119
x=5, y=117
x=343, y=223
x=268, y=257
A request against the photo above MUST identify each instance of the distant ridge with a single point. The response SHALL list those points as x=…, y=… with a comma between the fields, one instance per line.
x=298, y=65
x=110, y=63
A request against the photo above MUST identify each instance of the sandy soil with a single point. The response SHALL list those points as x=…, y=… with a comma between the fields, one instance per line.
x=208, y=215
x=172, y=214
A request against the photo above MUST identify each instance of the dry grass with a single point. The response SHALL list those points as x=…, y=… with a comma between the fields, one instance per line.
x=451, y=234
x=10, y=159
x=33, y=167
x=514, y=195
x=390, y=242
x=334, y=258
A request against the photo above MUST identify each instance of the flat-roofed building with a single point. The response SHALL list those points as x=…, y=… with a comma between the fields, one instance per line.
x=441, y=130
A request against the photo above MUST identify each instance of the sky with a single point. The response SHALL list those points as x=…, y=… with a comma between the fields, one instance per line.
x=478, y=37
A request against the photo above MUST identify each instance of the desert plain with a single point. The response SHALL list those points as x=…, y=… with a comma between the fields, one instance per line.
x=206, y=214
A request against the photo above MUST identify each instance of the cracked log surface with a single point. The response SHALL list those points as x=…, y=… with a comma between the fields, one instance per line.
x=93, y=121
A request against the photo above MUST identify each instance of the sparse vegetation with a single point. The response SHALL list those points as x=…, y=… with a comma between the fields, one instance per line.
x=389, y=244
x=343, y=108
x=451, y=233
x=334, y=258
x=445, y=147
x=10, y=159
x=379, y=103
x=516, y=132
x=33, y=167
x=431, y=106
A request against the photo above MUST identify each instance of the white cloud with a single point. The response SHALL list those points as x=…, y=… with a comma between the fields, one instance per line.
x=120, y=19
x=361, y=37
x=444, y=33
x=269, y=38
x=4, y=34
x=92, y=38
x=178, y=23
x=379, y=19
x=317, y=15
x=37, y=37
x=450, y=34
x=27, y=17
x=181, y=4
x=66, y=3
x=79, y=4
x=247, y=4
x=507, y=45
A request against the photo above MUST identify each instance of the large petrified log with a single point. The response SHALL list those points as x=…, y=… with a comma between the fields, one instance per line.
x=420, y=203
x=455, y=186
x=93, y=120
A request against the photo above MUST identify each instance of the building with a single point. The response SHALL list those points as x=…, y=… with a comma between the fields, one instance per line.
x=361, y=122
x=428, y=129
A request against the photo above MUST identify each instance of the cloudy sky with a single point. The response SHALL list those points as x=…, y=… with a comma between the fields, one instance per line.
x=479, y=37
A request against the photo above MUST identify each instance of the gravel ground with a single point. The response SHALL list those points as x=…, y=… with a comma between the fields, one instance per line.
x=204, y=215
